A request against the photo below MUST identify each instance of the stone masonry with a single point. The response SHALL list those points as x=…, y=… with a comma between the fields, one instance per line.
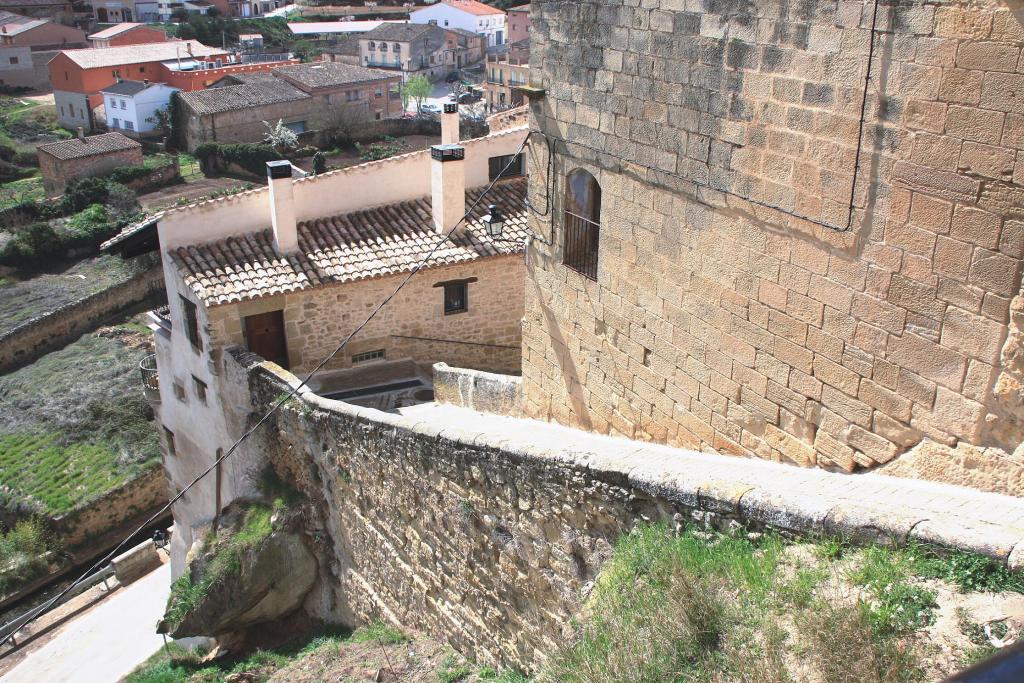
x=413, y=325
x=751, y=296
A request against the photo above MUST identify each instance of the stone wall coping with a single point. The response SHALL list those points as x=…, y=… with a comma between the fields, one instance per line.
x=868, y=507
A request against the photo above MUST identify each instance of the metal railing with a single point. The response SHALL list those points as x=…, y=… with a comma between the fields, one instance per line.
x=582, y=236
x=150, y=377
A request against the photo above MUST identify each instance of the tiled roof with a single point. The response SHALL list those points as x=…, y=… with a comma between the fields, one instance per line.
x=364, y=244
x=473, y=7
x=90, y=146
x=126, y=88
x=257, y=93
x=91, y=58
x=329, y=74
x=33, y=3
x=115, y=30
x=14, y=28
x=403, y=33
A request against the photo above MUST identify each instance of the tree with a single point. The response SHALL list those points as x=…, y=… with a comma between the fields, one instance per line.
x=280, y=137
x=162, y=118
x=419, y=88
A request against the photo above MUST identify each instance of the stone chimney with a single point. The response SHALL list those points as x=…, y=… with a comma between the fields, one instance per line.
x=282, y=206
x=450, y=124
x=448, y=185
x=81, y=133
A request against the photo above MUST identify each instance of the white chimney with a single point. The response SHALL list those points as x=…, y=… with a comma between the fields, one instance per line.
x=448, y=185
x=282, y=206
x=450, y=124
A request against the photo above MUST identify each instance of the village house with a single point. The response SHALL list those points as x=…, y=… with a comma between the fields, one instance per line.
x=60, y=11
x=27, y=44
x=505, y=72
x=127, y=33
x=131, y=106
x=78, y=76
x=288, y=270
x=84, y=157
x=468, y=15
x=305, y=97
x=412, y=49
x=741, y=261
x=518, y=23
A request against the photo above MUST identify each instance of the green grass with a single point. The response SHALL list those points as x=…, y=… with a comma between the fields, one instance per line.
x=453, y=670
x=23, y=554
x=378, y=632
x=967, y=571
x=897, y=606
x=73, y=425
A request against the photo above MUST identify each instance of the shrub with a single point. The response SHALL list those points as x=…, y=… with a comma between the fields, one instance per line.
x=23, y=552
x=388, y=147
x=250, y=157
x=319, y=163
x=83, y=192
x=31, y=245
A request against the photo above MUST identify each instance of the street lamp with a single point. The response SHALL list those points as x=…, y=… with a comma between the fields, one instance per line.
x=494, y=221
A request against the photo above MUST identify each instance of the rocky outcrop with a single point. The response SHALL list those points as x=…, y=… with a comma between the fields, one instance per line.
x=254, y=568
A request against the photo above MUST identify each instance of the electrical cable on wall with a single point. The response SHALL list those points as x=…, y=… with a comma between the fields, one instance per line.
x=48, y=605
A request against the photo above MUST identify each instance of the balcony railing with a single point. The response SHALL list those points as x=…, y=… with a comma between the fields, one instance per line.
x=581, y=244
x=150, y=378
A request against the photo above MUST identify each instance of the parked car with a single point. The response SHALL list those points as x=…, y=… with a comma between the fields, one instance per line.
x=430, y=108
x=469, y=96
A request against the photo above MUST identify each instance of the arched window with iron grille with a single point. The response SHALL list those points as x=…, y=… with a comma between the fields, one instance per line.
x=582, y=222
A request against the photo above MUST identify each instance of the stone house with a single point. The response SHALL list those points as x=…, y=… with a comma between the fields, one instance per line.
x=288, y=270
x=412, y=49
x=518, y=23
x=743, y=262
x=306, y=97
x=82, y=157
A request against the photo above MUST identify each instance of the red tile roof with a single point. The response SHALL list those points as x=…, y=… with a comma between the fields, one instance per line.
x=385, y=240
x=473, y=7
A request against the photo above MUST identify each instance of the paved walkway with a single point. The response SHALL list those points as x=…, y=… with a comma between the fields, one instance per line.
x=801, y=499
x=105, y=643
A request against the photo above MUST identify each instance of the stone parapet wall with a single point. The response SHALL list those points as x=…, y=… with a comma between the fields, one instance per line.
x=483, y=391
x=490, y=536
x=50, y=331
x=743, y=303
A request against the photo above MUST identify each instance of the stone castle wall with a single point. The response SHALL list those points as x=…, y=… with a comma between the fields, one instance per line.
x=741, y=305
x=490, y=537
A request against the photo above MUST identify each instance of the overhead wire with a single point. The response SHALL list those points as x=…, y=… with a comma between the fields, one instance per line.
x=287, y=396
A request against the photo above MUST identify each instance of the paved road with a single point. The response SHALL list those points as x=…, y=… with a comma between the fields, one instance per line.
x=106, y=642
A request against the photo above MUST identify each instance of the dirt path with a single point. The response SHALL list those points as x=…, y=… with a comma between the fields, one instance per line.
x=191, y=192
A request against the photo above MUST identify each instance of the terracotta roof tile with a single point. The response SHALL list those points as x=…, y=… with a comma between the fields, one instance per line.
x=364, y=244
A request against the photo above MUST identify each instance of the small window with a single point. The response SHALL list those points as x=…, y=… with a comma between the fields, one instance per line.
x=373, y=45
x=169, y=438
x=13, y=60
x=497, y=164
x=179, y=392
x=377, y=354
x=383, y=47
x=117, y=122
x=396, y=47
x=200, y=388
x=142, y=69
x=582, y=223
x=456, y=299
x=191, y=323
x=129, y=125
x=379, y=92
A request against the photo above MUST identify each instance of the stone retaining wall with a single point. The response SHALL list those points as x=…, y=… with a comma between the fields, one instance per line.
x=128, y=505
x=492, y=545
x=50, y=331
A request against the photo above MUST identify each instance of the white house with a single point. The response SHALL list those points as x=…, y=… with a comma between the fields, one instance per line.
x=468, y=15
x=131, y=105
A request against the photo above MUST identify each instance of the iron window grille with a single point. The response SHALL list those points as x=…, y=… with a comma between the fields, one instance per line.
x=582, y=223
x=456, y=297
x=377, y=354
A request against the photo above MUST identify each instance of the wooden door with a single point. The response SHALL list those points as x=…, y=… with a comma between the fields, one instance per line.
x=264, y=334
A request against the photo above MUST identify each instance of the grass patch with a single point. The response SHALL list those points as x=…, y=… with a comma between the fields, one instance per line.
x=378, y=632
x=897, y=606
x=967, y=571
x=73, y=426
x=453, y=670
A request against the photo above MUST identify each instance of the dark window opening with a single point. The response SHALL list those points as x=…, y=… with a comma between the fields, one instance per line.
x=169, y=437
x=200, y=387
x=377, y=354
x=191, y=323
x=582, y=223
x=456, y=297
x=496, y=164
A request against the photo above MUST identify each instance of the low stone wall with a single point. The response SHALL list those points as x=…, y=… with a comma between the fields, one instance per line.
x=483, y=391
x=129, y=505
x=50, y=331
x=492, y=545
